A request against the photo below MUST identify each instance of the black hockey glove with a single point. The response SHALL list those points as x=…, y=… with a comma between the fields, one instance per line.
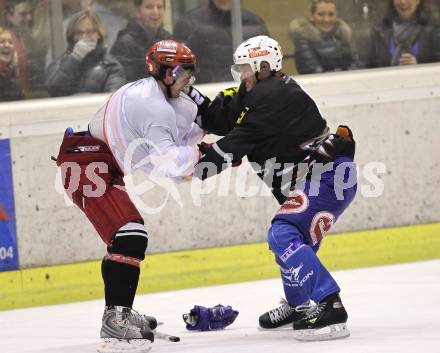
x=345, y=144
x=227, y=94
x=339, y=144
x=204, y=147
x=201, y=101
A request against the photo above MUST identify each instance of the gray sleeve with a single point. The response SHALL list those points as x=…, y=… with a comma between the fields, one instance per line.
x=115, y=78
x=62, y=76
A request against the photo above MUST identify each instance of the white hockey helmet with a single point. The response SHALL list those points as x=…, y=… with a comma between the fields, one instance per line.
x=254, y=51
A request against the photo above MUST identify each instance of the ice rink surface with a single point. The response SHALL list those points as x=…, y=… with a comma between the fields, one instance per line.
x=391, y=309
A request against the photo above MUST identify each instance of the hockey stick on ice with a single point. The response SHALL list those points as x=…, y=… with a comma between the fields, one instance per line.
x=166, y=336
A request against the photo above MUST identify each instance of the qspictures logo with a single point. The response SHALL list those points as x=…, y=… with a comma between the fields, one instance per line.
x=3, y=215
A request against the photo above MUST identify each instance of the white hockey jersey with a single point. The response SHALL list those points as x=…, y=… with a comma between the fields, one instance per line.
x=146, y=131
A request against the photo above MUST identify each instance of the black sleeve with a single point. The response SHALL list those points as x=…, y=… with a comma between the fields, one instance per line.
x=124, y=50
x=241, y=141
x=435, y=44
x=373, y=49
x=222, y=114
x=188, y=32
x=115, y=78
x=307, y=62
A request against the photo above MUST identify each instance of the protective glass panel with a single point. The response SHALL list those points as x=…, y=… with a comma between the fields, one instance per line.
x=316, y=36
x=206, y=27
x=339, y=35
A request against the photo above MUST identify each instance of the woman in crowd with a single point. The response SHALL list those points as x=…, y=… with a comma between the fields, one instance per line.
x=85, y=66
x=323, y=42
x=406, y=36
x=10, y=88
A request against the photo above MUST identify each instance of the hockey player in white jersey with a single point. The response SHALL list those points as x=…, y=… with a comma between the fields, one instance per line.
x=147, y=124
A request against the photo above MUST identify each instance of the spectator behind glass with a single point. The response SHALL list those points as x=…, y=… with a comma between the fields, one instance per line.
x=85, y=66
x=323, y=42
x=141, y=32
x=30, y=50
x=207, y=31
x=406, y=36
x=9, y=85
x=111, y=22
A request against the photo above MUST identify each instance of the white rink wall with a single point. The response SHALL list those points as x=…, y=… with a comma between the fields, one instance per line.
x=394, y=114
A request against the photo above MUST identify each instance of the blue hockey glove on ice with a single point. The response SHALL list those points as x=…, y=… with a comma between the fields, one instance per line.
x=209, y=319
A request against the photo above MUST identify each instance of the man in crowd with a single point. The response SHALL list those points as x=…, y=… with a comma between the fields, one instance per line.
x=207, y=30
x=141, y=32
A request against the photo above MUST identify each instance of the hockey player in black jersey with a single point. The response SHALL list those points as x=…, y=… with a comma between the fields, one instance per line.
x=272, y=121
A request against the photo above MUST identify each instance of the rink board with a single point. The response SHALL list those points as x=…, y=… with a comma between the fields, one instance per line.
x=395, y=108
x=187, y=269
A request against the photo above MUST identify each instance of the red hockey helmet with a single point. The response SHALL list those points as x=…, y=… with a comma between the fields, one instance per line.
x=169, y=54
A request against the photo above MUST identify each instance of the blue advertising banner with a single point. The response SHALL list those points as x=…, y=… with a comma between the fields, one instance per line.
x=8, y=236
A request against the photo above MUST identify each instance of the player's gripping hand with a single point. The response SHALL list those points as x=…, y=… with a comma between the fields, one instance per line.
x=201, y=318
x=200, y=99
x=204, y=147
x=227, y=94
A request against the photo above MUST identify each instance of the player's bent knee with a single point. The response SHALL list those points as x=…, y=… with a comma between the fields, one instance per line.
x=130, y=240
x=283, y=236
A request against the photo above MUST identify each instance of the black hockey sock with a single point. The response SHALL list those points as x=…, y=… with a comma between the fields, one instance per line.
x=120, y=282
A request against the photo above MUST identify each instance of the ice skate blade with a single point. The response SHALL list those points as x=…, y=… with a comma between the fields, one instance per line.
x=116, y=345
x=331, y=332
x=286, y=327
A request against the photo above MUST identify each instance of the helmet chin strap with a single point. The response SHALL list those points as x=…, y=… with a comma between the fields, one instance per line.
x=168, y=87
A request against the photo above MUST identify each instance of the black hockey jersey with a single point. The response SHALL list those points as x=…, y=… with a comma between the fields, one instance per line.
x=270, y=124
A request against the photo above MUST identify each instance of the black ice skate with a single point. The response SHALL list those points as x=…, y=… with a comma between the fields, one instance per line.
x=282, y=316
x=325, y=321
x=125, y=330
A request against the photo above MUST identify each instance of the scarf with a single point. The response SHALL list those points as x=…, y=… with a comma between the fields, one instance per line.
x=404, y=34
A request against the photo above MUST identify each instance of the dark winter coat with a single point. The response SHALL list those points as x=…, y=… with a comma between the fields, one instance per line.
x=98, y=72
x=316, y=51
x=207, y=32
x=428, y=40
x=9, y=86
x=131, y=46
